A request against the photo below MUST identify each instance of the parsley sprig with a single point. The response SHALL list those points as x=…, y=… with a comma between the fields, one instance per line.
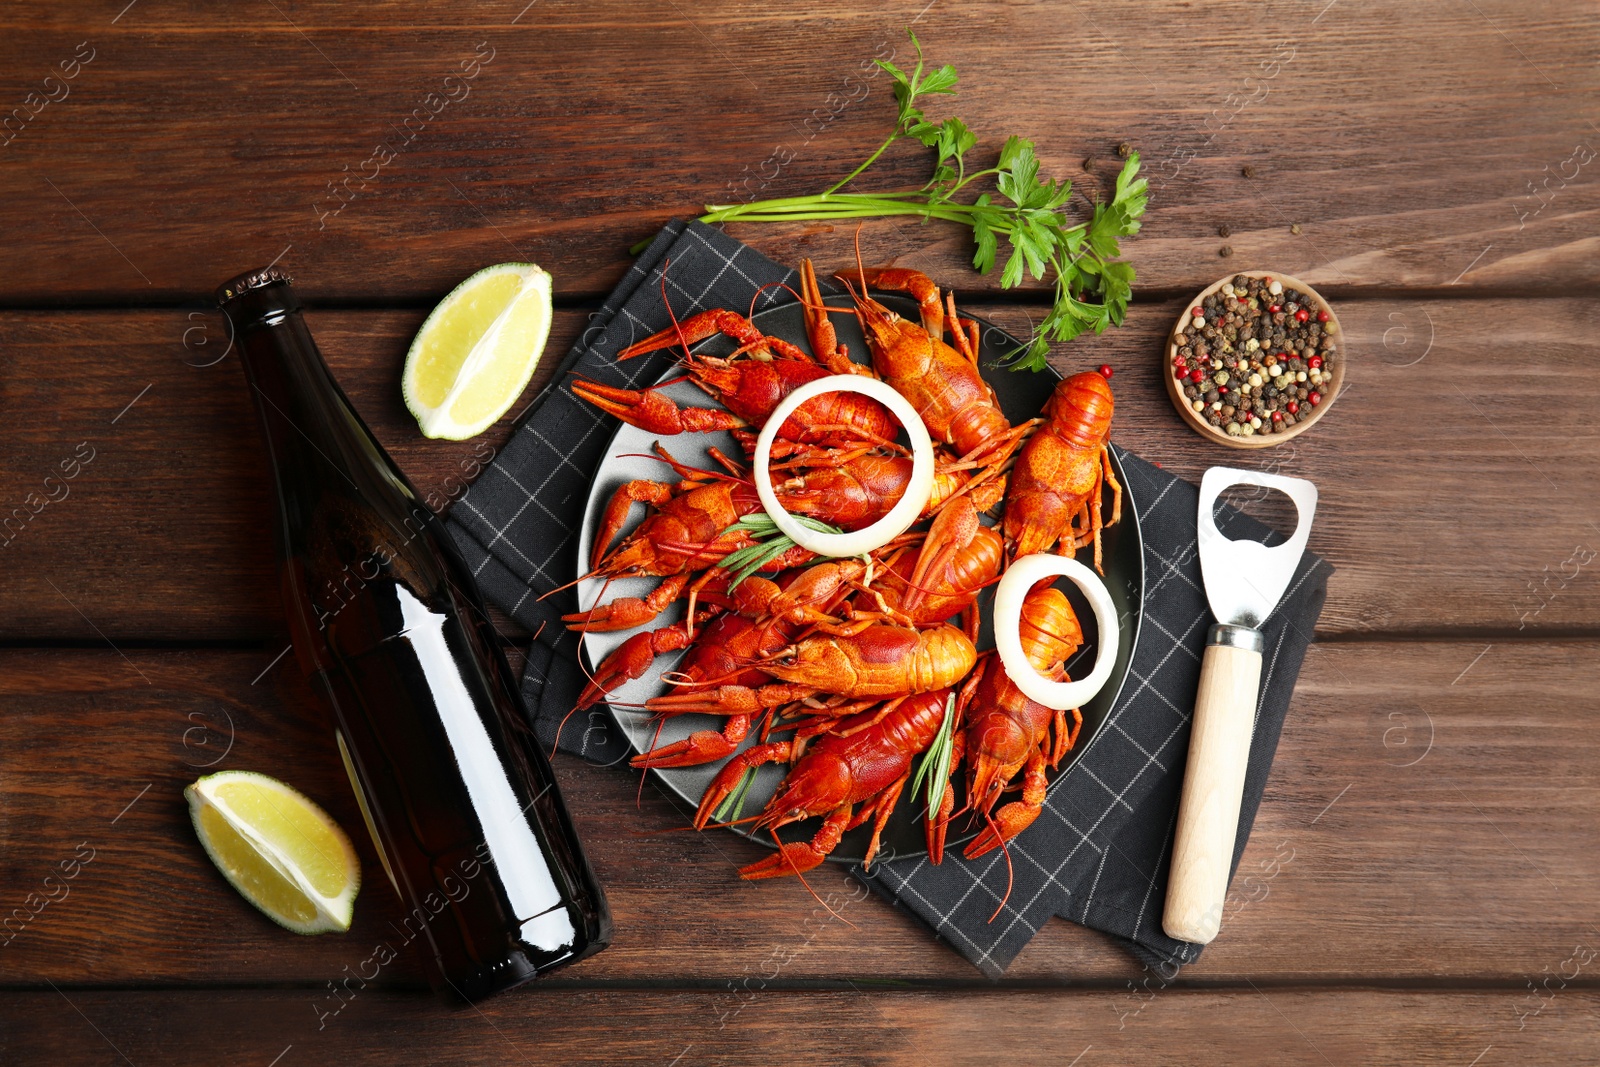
x=1092, y=284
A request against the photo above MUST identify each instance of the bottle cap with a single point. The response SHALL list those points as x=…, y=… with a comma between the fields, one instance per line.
x=249, y=281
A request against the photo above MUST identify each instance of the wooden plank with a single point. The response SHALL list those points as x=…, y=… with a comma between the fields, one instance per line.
x=1430, y=818
x=1448, y=477
x=1313, y=1027
x=584, y=128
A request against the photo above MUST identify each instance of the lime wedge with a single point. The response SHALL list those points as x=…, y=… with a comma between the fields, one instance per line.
x=278, y=849
x=476, y=351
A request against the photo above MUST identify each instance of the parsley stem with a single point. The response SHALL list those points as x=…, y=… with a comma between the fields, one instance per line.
x=847, y=179
x=858, y=206
x=783, y=203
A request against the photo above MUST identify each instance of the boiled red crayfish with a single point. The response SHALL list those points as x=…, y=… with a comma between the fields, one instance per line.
x=1060, y=473
x=942, y=383
x=750, y=384
x=866, y=760
x=691, y=529
x=1005, y=732
x=872, y=660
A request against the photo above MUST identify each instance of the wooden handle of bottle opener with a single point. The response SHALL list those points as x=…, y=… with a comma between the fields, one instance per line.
x=1213, y=783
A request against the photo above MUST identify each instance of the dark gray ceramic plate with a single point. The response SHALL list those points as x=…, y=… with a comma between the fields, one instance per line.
x=1021, y=397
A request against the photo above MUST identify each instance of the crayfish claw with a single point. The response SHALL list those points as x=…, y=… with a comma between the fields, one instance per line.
x=727, y=779
x=702, y=746
x=652, y=411
x=819, y=328
x=697, y=328
x=631, y=660
x=798, y=857
x=1009, y=821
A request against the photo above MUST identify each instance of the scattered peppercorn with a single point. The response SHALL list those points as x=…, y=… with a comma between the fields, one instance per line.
x=1225, y=251
x=1124, y=149
x=1224, y=231
x=1248, y=171
x=1088, y=163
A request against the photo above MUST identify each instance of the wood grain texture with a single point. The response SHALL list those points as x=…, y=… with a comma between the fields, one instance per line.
x=1420, y=887
x=1441, y=508
x=1399, y=804
x=537, y=1025
x=233, y=131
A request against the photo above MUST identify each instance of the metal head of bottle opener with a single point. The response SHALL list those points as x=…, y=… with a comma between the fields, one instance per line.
x=1245, y=579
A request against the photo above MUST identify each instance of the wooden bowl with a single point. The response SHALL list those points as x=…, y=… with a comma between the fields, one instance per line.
x=1330, y=388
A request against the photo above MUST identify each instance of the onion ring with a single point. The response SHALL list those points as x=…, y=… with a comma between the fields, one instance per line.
x=1020, y=577
x=905, y=511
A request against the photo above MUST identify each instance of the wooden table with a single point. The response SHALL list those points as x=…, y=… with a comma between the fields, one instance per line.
x=1423, y=883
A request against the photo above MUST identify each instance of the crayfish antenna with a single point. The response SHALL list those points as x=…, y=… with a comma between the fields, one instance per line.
x=731, y=822
x=770, y=285
x=677, y=328
x=774, y=832
x=561, y=726
x=1005, y=850
x=580, y=578
x=638, y=798
x=860, y=266
x=581, y=665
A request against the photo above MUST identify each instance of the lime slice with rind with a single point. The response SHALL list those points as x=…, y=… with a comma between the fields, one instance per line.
x=282, y=852
x=477, y=350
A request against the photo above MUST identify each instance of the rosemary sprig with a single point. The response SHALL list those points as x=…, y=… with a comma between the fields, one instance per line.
x=770, y=543
x=935, y=763
x=1092, y=285
x=731, y=808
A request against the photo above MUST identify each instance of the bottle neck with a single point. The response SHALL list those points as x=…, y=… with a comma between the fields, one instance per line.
x=313, y=435
x=345, y=512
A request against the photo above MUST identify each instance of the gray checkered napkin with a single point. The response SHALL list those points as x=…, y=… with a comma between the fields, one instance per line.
x=1098, y=853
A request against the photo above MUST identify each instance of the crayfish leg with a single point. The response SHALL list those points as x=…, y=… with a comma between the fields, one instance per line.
x=963, y=332
x=1064, y=737
x=880, y=810
x=1110, y=478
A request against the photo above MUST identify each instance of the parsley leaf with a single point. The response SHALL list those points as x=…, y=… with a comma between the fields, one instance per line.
x=1093, y=285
